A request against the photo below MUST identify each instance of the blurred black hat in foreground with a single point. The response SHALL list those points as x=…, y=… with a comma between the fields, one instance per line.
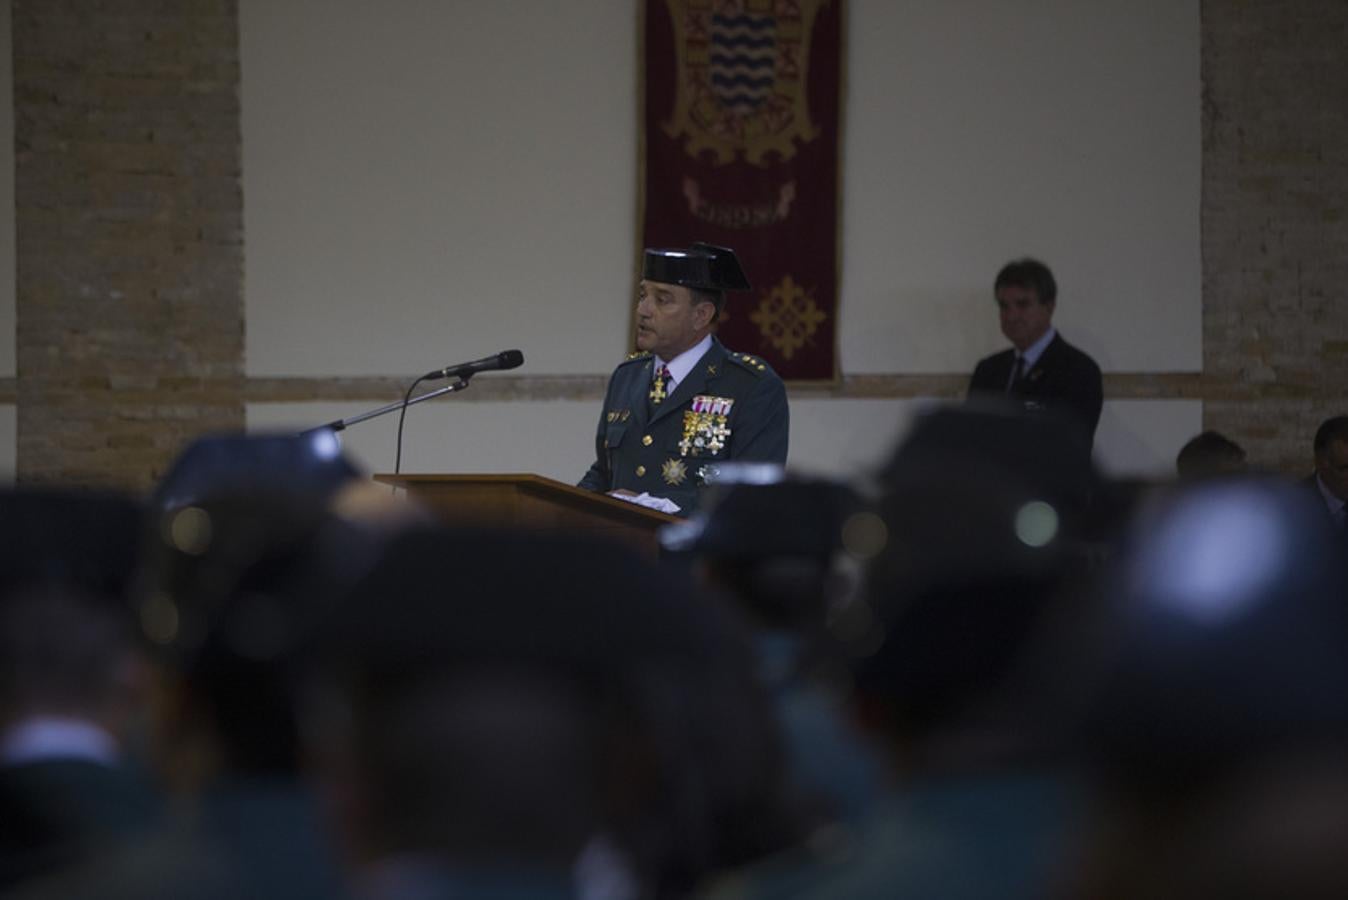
x=976, y=531
x=1220, y=634
x=309, y=464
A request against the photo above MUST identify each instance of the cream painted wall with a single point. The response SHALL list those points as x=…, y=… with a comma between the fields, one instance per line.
x=431, y=182
x=981, y=130
x=426, y=183
x=838, y=438
x=454, y=434
x=1141, y=438
x=848, y=438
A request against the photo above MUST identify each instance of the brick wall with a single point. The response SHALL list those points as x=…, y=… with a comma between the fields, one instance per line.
x=129, y=234
x=1275, y=223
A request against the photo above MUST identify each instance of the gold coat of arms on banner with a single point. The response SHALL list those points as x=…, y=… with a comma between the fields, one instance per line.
x=742, y=77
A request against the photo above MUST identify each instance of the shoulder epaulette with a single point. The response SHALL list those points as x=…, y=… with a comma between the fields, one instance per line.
x=749, y=361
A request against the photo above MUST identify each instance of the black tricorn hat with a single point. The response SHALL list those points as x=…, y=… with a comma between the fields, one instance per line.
x=702, y=266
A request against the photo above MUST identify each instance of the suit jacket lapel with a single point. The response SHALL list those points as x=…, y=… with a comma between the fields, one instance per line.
x=1043, y=365
x=1001, y=369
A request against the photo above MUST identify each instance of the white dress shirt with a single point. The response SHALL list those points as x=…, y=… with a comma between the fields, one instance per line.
x=1336, y=506
x=685, y=362
x=1031, y=355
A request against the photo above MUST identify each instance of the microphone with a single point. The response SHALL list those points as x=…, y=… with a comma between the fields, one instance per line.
x=506, y=359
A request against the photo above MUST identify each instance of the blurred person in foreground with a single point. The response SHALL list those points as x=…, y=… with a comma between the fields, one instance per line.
x=772, y=544
x=73, y=683
x=503, y=715
x=973, y=542
x=244, y=550
x=1206, y=689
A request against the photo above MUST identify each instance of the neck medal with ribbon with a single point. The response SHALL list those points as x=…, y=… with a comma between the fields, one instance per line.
x=658, y=392
x=705, y=431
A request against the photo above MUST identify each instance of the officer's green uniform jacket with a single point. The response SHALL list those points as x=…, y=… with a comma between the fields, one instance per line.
x=655, y=449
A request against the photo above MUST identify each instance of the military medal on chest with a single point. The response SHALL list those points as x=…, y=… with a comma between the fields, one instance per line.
x=705, y=428
x=675, y=472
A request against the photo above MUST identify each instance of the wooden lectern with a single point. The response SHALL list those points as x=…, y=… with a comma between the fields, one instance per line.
x=532, y=502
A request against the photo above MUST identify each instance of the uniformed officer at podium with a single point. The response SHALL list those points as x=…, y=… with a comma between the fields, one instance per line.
x=683, y=403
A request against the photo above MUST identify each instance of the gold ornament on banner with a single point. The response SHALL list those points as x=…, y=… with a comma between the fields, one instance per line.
x=788, y=317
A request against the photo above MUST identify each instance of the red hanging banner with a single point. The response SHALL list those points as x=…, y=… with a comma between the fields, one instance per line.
x=740, y=148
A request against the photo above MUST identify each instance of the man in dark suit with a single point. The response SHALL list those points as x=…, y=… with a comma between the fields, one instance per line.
x=1330, y=479
x=683, y=403
x=1041, y=373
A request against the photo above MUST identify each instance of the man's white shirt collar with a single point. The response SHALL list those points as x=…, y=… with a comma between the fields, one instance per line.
x=1036, y=350
x=681, y=365
x=1334, y=503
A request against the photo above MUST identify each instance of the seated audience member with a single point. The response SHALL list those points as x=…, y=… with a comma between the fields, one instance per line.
x=250, y=550
x=1041, y=373
x=241, y=555
x=1209, y=455
x=997, y=441
x=1207, y=687
x=974, y=549
x=310, y=465
x=230, y=617
x=72, y=683
x=524, y=715
x=1330, y=479
x=772, y=544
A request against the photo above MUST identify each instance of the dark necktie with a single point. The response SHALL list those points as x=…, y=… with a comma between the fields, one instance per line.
x=1017, y=374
